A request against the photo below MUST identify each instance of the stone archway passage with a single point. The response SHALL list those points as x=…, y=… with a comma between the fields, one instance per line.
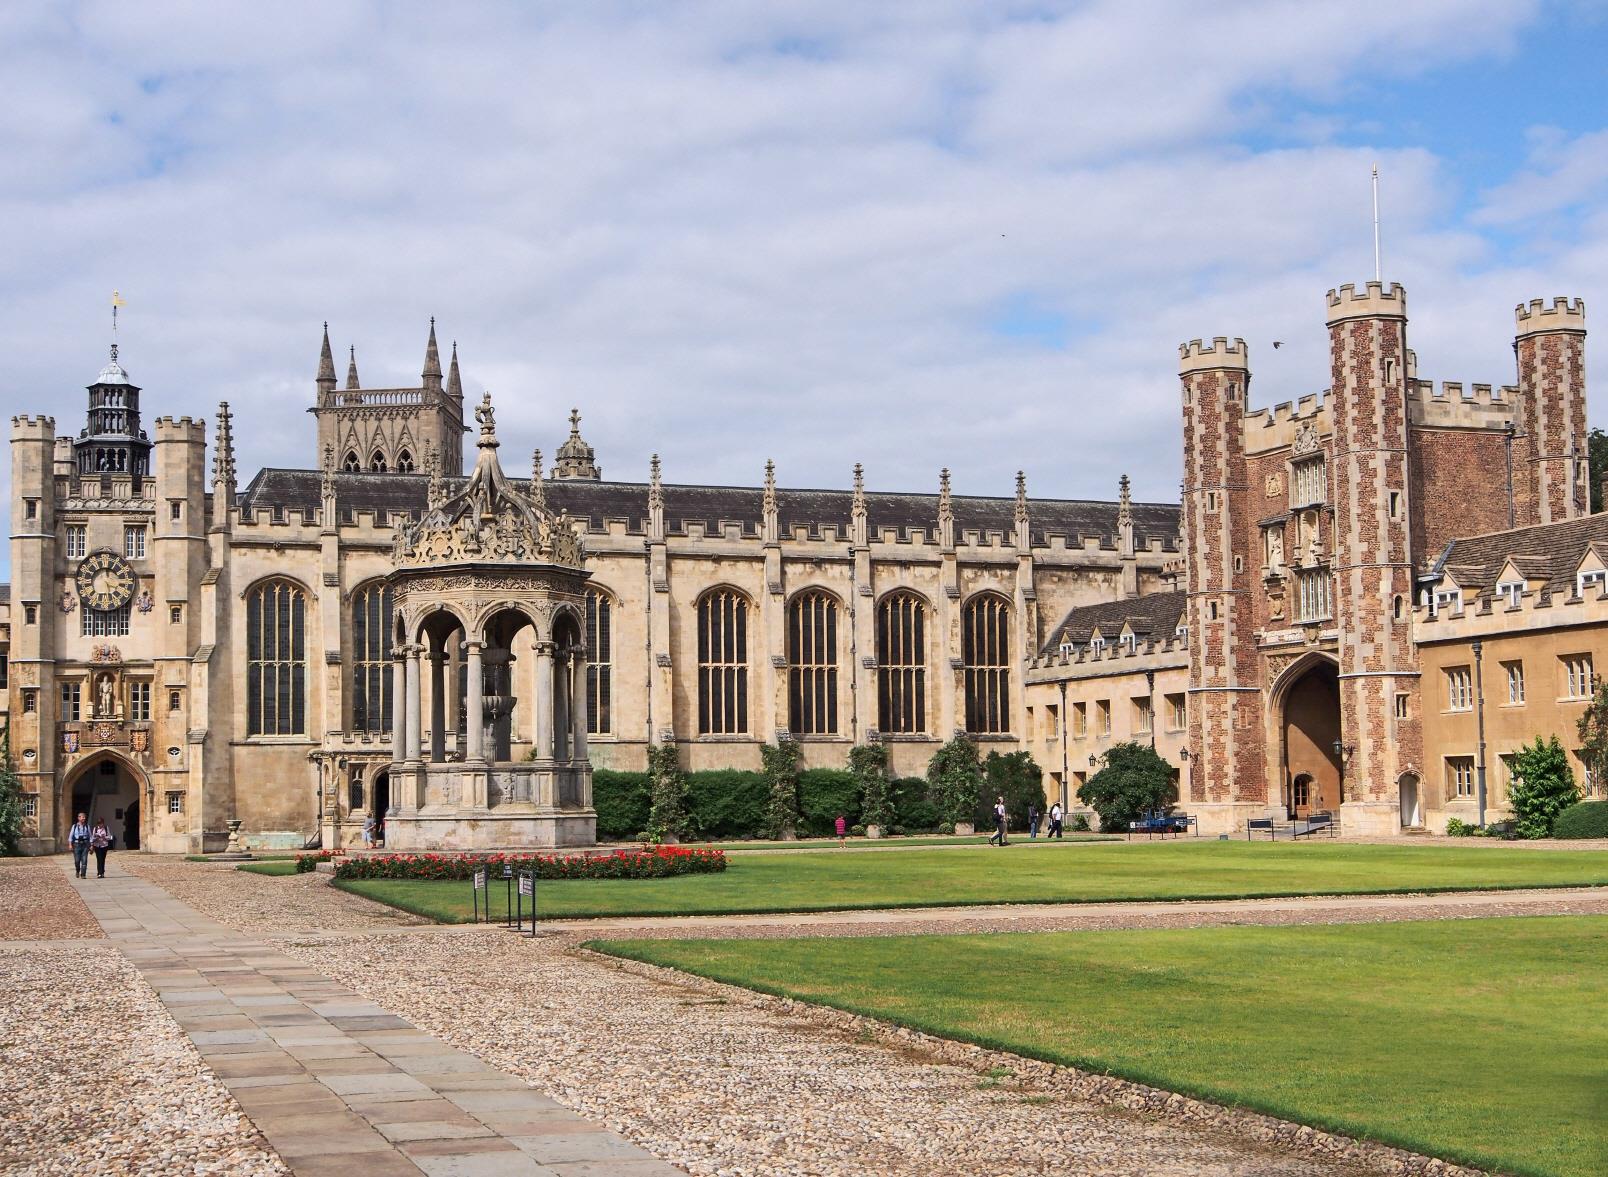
x=106, y=788
x=1311, y=721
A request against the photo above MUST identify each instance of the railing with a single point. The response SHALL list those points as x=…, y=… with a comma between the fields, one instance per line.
x=388, y=396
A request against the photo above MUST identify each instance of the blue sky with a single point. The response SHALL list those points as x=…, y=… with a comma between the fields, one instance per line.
x=911, y=234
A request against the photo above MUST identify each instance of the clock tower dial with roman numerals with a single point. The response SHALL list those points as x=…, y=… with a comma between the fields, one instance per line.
x=105, y=581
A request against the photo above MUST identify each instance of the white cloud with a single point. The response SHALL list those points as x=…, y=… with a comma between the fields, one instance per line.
x=726, y=232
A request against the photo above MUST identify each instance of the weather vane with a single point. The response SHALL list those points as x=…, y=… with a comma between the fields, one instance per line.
x=117, y=301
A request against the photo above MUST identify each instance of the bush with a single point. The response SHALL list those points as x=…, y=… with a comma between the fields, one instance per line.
x=914, y=810
x=1588, y=819
x=1457, y=828
x=1542, y=788
x=1132, y=782
x=857, y=831
x=307, y=863
x=10, y=800
x=660, y=862
x=667, y=815
x=823, y=794
x=869, y=764
x=955, y=777
x=781, y=794
x=1080, y=823
x=725, y=803
x=1016, y=777
x=624, y=802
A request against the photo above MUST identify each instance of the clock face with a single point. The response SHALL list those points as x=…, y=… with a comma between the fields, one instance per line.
x=105, y=581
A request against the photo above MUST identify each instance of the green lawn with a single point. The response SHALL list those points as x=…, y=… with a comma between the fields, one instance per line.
x=274, y=867
x=1083, y=874
x=909, y=842
x=1481, y=1041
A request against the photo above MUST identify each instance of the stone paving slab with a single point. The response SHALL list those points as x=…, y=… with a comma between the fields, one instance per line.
x=337, y=1084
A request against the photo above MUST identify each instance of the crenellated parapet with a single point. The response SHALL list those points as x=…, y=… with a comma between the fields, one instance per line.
x=1536, y=317
x=1221, y=352
x=1376, y=300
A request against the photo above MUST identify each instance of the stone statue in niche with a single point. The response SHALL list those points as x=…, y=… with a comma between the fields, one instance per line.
x=105, y=697
x=1275, y=549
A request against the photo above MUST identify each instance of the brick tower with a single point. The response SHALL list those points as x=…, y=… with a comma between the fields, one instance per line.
x=1549, y=459
x=1373, y=562
x=1225, y=728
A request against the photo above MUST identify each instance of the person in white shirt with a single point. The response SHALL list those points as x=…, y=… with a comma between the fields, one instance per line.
x=998, y=838
x=78, y=839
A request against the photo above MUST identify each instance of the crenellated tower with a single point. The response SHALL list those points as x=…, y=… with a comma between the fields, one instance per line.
x=1372, y=583
x=1550, y=452
x=387, y=430
x=1225, y=729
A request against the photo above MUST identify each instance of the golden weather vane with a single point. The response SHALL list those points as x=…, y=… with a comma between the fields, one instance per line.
x=117, y=301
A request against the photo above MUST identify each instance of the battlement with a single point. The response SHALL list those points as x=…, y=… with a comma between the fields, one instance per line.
x=27, y=428
x=1376, y=300
x=1197, y=356
x=184, y=429
x=1274, y=428
x=1563, y=315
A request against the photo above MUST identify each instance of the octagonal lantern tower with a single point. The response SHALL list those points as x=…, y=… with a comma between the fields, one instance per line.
x=490, y=634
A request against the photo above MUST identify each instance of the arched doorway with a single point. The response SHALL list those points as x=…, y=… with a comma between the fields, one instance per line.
x=1311, y=728
x=1412, y=813
x=108, y=789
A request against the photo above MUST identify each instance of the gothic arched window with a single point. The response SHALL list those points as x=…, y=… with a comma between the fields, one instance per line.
x=985, y=632
x=276, y=659
x=371, y=659
x=722, y=663
x=352, y=464
x=600, y=662
x=812, y=671
x=404, y=462
x=902, y=664
x=377, y=463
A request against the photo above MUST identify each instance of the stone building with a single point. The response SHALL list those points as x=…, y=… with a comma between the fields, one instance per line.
x=188, y=649
x=1310, y=532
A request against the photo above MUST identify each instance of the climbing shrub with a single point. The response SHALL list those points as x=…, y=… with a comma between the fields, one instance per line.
x=955, y=774
x=667, y=815
x=781, y=779
x=869, y=764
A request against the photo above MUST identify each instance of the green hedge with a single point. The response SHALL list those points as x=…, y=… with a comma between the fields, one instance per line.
x=823, y=794
x=914, y=810
x=1586, y=819
x=622, y=801
x=726, y=803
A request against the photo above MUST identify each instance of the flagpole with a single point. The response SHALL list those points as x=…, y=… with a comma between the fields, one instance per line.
x=1377, y=275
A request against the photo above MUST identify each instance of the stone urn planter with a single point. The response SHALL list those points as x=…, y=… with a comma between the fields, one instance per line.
x=789, y=834
x=873, y=831
x=964, y=829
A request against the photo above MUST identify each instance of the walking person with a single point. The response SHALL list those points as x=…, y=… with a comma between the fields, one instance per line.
x=368, y=832
x=1055, y=821
x=100, y=841
x=998, y=838
x=78, y=839
x=842, y=832
x=1032, y=822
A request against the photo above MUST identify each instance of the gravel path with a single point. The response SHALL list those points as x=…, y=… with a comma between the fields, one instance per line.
x=722, y=1081
x=1063, y=917
x=258, y=904
x=38, y=903
x=96, y=1079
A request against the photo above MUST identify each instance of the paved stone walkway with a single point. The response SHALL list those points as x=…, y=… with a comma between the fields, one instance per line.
x=337, y=1084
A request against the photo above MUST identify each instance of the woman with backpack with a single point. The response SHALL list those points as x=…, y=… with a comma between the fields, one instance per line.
x=100, y=841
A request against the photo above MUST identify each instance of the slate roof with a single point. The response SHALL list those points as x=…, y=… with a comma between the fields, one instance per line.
x=598, y=501
x=1549, y=551
x=1154, y=614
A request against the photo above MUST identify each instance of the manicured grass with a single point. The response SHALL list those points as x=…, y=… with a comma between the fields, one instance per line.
x=911, y=842
x=279, y=867
x=1088, y=873
x=1475, y=1040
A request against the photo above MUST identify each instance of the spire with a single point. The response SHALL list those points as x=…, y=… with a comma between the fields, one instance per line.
x=327, y=483
x=436, y=489
x=770, y=487
x=655, y=501
x=1125, y=548
x=432, y=360
x=538, y=485
x=351, y=368
x=857, y=512
x=1021, y=497
x=454, y=385
x=1124, y=503
x=946, y=511
x=576, y=459
x=326, y=365
x=223, y=461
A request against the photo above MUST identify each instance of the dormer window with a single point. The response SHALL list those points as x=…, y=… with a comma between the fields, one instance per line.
x=1096, y=644
x=1067, y=648
x=1509, y=592
x=1182, y=631
x=1596, y=579
x=1450, y=600
x=1127, y=641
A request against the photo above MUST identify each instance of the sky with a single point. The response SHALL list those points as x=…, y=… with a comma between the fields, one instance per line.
x=911, y=235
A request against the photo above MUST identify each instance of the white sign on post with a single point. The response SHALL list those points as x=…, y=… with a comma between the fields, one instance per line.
x=527, y=885
x=480, y=879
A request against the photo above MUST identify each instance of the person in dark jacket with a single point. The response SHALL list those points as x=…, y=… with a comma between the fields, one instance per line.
x=999, y=824
x=100, y=841
x=78, y=839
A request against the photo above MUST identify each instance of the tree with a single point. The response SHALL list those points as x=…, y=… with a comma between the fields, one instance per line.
x=1593, y=732
x=1015, y=776
x=1597, y=464
x=1132, y=781
x=869, y=764
x=781, y=774
x=956, y=776
x=10, y=799
x=1543, y=787
x=667, y=815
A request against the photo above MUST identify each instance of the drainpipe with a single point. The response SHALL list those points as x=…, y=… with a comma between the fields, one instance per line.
x=1066, y=767
x=1507, y=435
x=1479, y=714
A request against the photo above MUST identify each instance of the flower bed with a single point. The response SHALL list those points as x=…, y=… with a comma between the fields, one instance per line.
x=306, y=863
x=657, y=862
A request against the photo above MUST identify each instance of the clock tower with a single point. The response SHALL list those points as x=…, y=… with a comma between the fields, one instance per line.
x=112, y=441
